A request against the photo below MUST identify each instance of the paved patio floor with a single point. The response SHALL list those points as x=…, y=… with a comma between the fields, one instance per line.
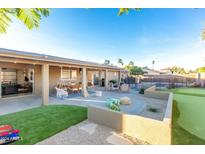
x=87, y=132
x=139, y=105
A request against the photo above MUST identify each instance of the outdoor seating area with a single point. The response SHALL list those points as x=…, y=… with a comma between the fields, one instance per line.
x=66, y=87
x=122, y=87
x=69, y=86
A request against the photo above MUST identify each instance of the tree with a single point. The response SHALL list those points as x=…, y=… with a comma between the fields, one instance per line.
x=120, y=62
x=30, y=17
x=153, y=62
x=134, y=70
x=178, y=70
x=201, y=70
x=131, y=63
x=107, y=62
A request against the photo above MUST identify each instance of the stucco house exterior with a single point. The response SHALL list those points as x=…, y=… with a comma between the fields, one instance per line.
x=43, y=72
x=147, y=71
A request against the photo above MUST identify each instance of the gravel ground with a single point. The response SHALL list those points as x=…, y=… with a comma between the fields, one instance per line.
x=87, y=133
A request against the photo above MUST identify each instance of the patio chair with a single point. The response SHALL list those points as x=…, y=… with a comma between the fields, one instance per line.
x=61, y=93
x=124, y=88
x=114, y=86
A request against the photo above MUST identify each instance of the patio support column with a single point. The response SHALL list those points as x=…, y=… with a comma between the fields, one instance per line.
x=84, y=82
x=99, y=79
x=45, y=84
x=120, y=76
x=106, y=79
x=0, y=82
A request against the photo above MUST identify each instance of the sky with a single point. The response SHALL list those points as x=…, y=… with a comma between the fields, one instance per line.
x=171, y=37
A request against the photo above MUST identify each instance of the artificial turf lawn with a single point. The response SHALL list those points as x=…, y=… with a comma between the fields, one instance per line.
x=188, y=114
x=40, y=123
x=189, y=91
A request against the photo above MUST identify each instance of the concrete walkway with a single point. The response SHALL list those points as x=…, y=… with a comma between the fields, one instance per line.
x=87, y=133
x=10, y=105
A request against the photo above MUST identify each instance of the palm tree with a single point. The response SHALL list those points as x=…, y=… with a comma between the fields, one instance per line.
x=30, y=17
x=126, y=10
x=131, y=63
x=120, y=62
x=107, y=62
x=153, y=62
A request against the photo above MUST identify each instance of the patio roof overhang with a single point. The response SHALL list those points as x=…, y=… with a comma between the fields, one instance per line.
x=14, y=56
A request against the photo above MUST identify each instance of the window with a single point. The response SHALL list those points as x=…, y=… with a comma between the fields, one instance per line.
x=65, y=74
x=69, y=74
x=73, y=74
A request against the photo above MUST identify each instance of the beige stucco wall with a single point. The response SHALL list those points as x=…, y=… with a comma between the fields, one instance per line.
x=20, y=76
x=37, y=80
x=147, y=129
x=90, y=76
x=113, y=76
x=54, y=77
x=152, y=93
x=150, y=130
x=150, y=72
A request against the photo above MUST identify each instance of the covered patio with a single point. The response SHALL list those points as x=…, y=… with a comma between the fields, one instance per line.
x=50, y=73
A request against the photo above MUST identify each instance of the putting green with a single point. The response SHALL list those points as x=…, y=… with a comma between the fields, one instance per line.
x=190, y=91
x=192, y=110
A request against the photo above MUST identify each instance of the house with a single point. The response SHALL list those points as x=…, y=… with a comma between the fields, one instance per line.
x=166, y=71
x=38, y=74
x=148, y=71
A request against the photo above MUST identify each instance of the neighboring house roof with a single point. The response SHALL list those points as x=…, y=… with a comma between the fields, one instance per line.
x=148, y=69
x=48, y=58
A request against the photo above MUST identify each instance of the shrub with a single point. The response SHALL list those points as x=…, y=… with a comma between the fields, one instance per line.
x=151, y=109
x=141, y=91
x=113, y=104
x=113, y=81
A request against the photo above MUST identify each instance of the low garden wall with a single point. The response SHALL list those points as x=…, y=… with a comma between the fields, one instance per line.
x=152, y=93
x=150, y=130
x=147, y=129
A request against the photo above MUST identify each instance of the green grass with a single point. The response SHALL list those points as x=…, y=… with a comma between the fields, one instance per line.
x=188, y=115
x=40, y=123
x=190, y=91
x=180, y=136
